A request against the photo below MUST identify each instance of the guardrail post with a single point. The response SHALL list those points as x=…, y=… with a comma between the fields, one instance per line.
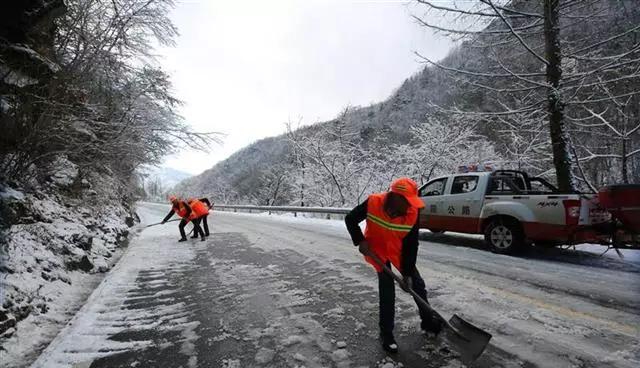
x=295, y=214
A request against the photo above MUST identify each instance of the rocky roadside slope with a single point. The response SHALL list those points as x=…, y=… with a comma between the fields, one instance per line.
x=56, y=241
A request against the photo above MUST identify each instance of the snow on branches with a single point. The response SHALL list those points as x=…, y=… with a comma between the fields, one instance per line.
x=553, y=59
x=336, y=166
x=109, y=107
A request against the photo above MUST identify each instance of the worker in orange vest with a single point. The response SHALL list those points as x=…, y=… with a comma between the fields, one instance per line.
x=391, y=234
x=182, y=209
x=199, y=214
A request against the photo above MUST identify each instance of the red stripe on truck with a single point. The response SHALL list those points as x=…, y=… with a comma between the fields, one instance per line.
x=532, y=230
x=541, y=231
x=566, y=234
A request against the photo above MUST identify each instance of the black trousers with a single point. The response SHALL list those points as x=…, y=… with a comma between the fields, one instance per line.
x=387, y=291
x=181, y=226
x=205, y=226
x=197, y=230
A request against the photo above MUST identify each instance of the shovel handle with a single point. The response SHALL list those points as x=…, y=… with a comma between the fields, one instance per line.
x=388, y=271
x=160, y=223
x=423, y=303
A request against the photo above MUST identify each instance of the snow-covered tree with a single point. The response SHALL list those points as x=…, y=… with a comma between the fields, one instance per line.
x=334, y=162
x=109, y=108
x=438, y=148
x=531, y=57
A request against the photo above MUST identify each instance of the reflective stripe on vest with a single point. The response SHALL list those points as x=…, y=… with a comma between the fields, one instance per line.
x=389, y=225
x=385, y=234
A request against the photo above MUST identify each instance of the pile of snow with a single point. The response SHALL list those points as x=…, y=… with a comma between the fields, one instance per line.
x=53, y=248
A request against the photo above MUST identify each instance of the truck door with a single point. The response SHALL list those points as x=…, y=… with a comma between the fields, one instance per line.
x=464, y=204
x=432, y=215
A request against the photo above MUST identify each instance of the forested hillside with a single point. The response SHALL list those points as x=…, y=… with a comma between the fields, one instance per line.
x=82, y=106
x=507, y=94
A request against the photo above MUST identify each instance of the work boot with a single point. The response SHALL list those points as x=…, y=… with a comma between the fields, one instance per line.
x=182, y=240
x=389, y=343
x=194, y=237
x=203, y=238
x=206, y=234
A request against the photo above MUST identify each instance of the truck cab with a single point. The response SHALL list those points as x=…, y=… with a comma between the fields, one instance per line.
x=454, y=202
x=508, y=206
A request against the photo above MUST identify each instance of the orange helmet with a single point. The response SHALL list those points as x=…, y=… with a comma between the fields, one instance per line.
x=408, y=189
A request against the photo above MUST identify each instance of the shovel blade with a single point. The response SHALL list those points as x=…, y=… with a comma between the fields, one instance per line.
x=467, y=340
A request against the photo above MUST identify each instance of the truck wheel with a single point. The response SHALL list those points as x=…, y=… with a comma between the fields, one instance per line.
x=504, y=236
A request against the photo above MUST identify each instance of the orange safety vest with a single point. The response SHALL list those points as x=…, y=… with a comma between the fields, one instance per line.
x=181, y=209
x=385, y=234
x=198, y=209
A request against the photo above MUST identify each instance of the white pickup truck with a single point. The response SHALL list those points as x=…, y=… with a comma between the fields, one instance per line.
x=510, y=208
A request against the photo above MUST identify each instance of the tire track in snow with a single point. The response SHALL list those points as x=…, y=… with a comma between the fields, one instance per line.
x=282, y=309
x=345, y=263
x=284, y=294
x=525, y=318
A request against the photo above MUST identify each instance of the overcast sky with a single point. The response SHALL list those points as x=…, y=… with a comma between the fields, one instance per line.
x=246, y=67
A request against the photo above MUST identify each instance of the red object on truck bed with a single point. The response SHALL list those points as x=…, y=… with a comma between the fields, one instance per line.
x=623, y=202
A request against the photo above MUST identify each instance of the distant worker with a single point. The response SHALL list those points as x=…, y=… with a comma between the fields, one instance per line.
x=199, y=214
x=392, y=235
x=182, y=209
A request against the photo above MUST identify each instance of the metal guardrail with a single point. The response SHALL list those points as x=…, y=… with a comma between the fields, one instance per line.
x=294, y=209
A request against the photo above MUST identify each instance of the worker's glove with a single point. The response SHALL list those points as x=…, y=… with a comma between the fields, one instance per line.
x=363, y=247
x=407, y=283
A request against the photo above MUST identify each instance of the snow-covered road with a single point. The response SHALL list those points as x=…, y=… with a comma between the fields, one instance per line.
x=285, y=292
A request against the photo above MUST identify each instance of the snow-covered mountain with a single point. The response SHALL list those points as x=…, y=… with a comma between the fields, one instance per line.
x=159, y=180
x=317, y=164
x=169, y=176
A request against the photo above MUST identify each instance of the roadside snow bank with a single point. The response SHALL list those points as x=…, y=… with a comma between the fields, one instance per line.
x=144, y=275
x=53, y=247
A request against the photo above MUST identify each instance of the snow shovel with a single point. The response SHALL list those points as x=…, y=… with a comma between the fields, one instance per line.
x=160, y=223
x=466, y=339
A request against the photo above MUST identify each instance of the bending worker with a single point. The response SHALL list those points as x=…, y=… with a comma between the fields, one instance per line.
x=392, y=235
x=182, y=209
x=199, y=214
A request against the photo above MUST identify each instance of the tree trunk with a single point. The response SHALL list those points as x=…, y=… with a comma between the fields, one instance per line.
x=625, y=176
x=302, y=187
x=559, y=139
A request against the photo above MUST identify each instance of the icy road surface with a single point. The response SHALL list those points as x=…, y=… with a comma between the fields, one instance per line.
x=273, y=291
